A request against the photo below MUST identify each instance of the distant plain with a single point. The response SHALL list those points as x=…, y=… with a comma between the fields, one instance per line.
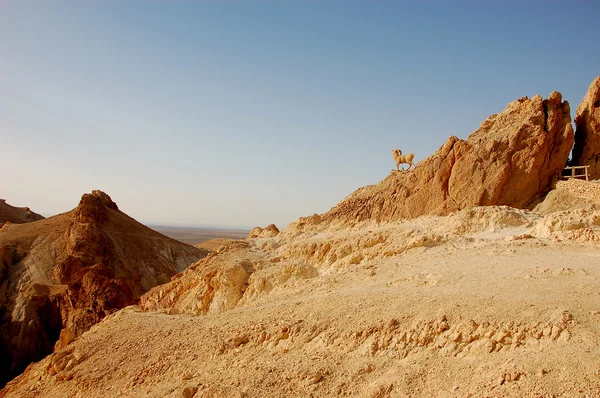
x=196, y=235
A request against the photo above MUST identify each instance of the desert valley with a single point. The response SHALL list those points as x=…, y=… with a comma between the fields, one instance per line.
x=475, y=274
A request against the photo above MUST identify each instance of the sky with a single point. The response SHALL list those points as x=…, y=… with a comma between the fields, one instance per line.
x=244, y=113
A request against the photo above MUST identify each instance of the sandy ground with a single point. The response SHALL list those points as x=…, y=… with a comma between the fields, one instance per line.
x=485, y=303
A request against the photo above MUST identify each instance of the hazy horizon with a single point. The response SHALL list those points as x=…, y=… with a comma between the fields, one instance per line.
x=207, y=227
x=249, y=113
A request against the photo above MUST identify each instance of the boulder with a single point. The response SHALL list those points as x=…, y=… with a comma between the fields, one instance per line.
x=510, y=160
x=587, y=131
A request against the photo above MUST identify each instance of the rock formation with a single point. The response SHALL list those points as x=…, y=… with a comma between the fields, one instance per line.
x=587, y=131
x=255, y=232
x=61, y=275
x=510, y=160
x=214, y=284
x=268, y=232
x=16, y=215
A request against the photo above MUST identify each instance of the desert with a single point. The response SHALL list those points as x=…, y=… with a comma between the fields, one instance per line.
x=198, y=199
x=210, y=238
x=489, y=301
x=448, y=280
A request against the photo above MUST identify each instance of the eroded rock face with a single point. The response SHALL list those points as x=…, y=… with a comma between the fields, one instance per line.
x=92, y=295
x=510, y=160
x=587, y=135
x=61, y=275
x=92, y=290
x=238, y=274
x=214, y=284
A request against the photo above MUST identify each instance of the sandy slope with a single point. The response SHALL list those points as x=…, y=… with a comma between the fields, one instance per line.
x=486, y=302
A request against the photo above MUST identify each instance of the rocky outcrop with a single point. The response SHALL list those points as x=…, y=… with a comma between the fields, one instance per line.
x=255, y=232
x=61, y=275
x=587, y=134
x=212, y=285
x=268, y=232
x=92, y=295
x=16, y=215
x=238, y=274
x=93, y=207
x=510, y=160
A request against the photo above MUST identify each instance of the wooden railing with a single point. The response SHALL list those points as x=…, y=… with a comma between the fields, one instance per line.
x=571, y=172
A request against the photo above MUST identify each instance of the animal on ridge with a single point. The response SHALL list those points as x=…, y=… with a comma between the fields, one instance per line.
x=399, y=158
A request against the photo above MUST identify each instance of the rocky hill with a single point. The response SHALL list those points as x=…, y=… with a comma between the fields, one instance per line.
x=510, y=160
x=61, y=275
x=16, y=215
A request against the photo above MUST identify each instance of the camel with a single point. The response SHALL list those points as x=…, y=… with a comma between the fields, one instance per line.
x=400, y=158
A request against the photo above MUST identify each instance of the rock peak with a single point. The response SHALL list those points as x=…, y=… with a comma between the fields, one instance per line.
x=93, y=207
x=510, y=160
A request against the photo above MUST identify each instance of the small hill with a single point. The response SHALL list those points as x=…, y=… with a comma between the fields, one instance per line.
x=16, y=215
x=61, y=275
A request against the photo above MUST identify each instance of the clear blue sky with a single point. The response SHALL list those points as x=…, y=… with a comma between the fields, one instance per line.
x=243, y=113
